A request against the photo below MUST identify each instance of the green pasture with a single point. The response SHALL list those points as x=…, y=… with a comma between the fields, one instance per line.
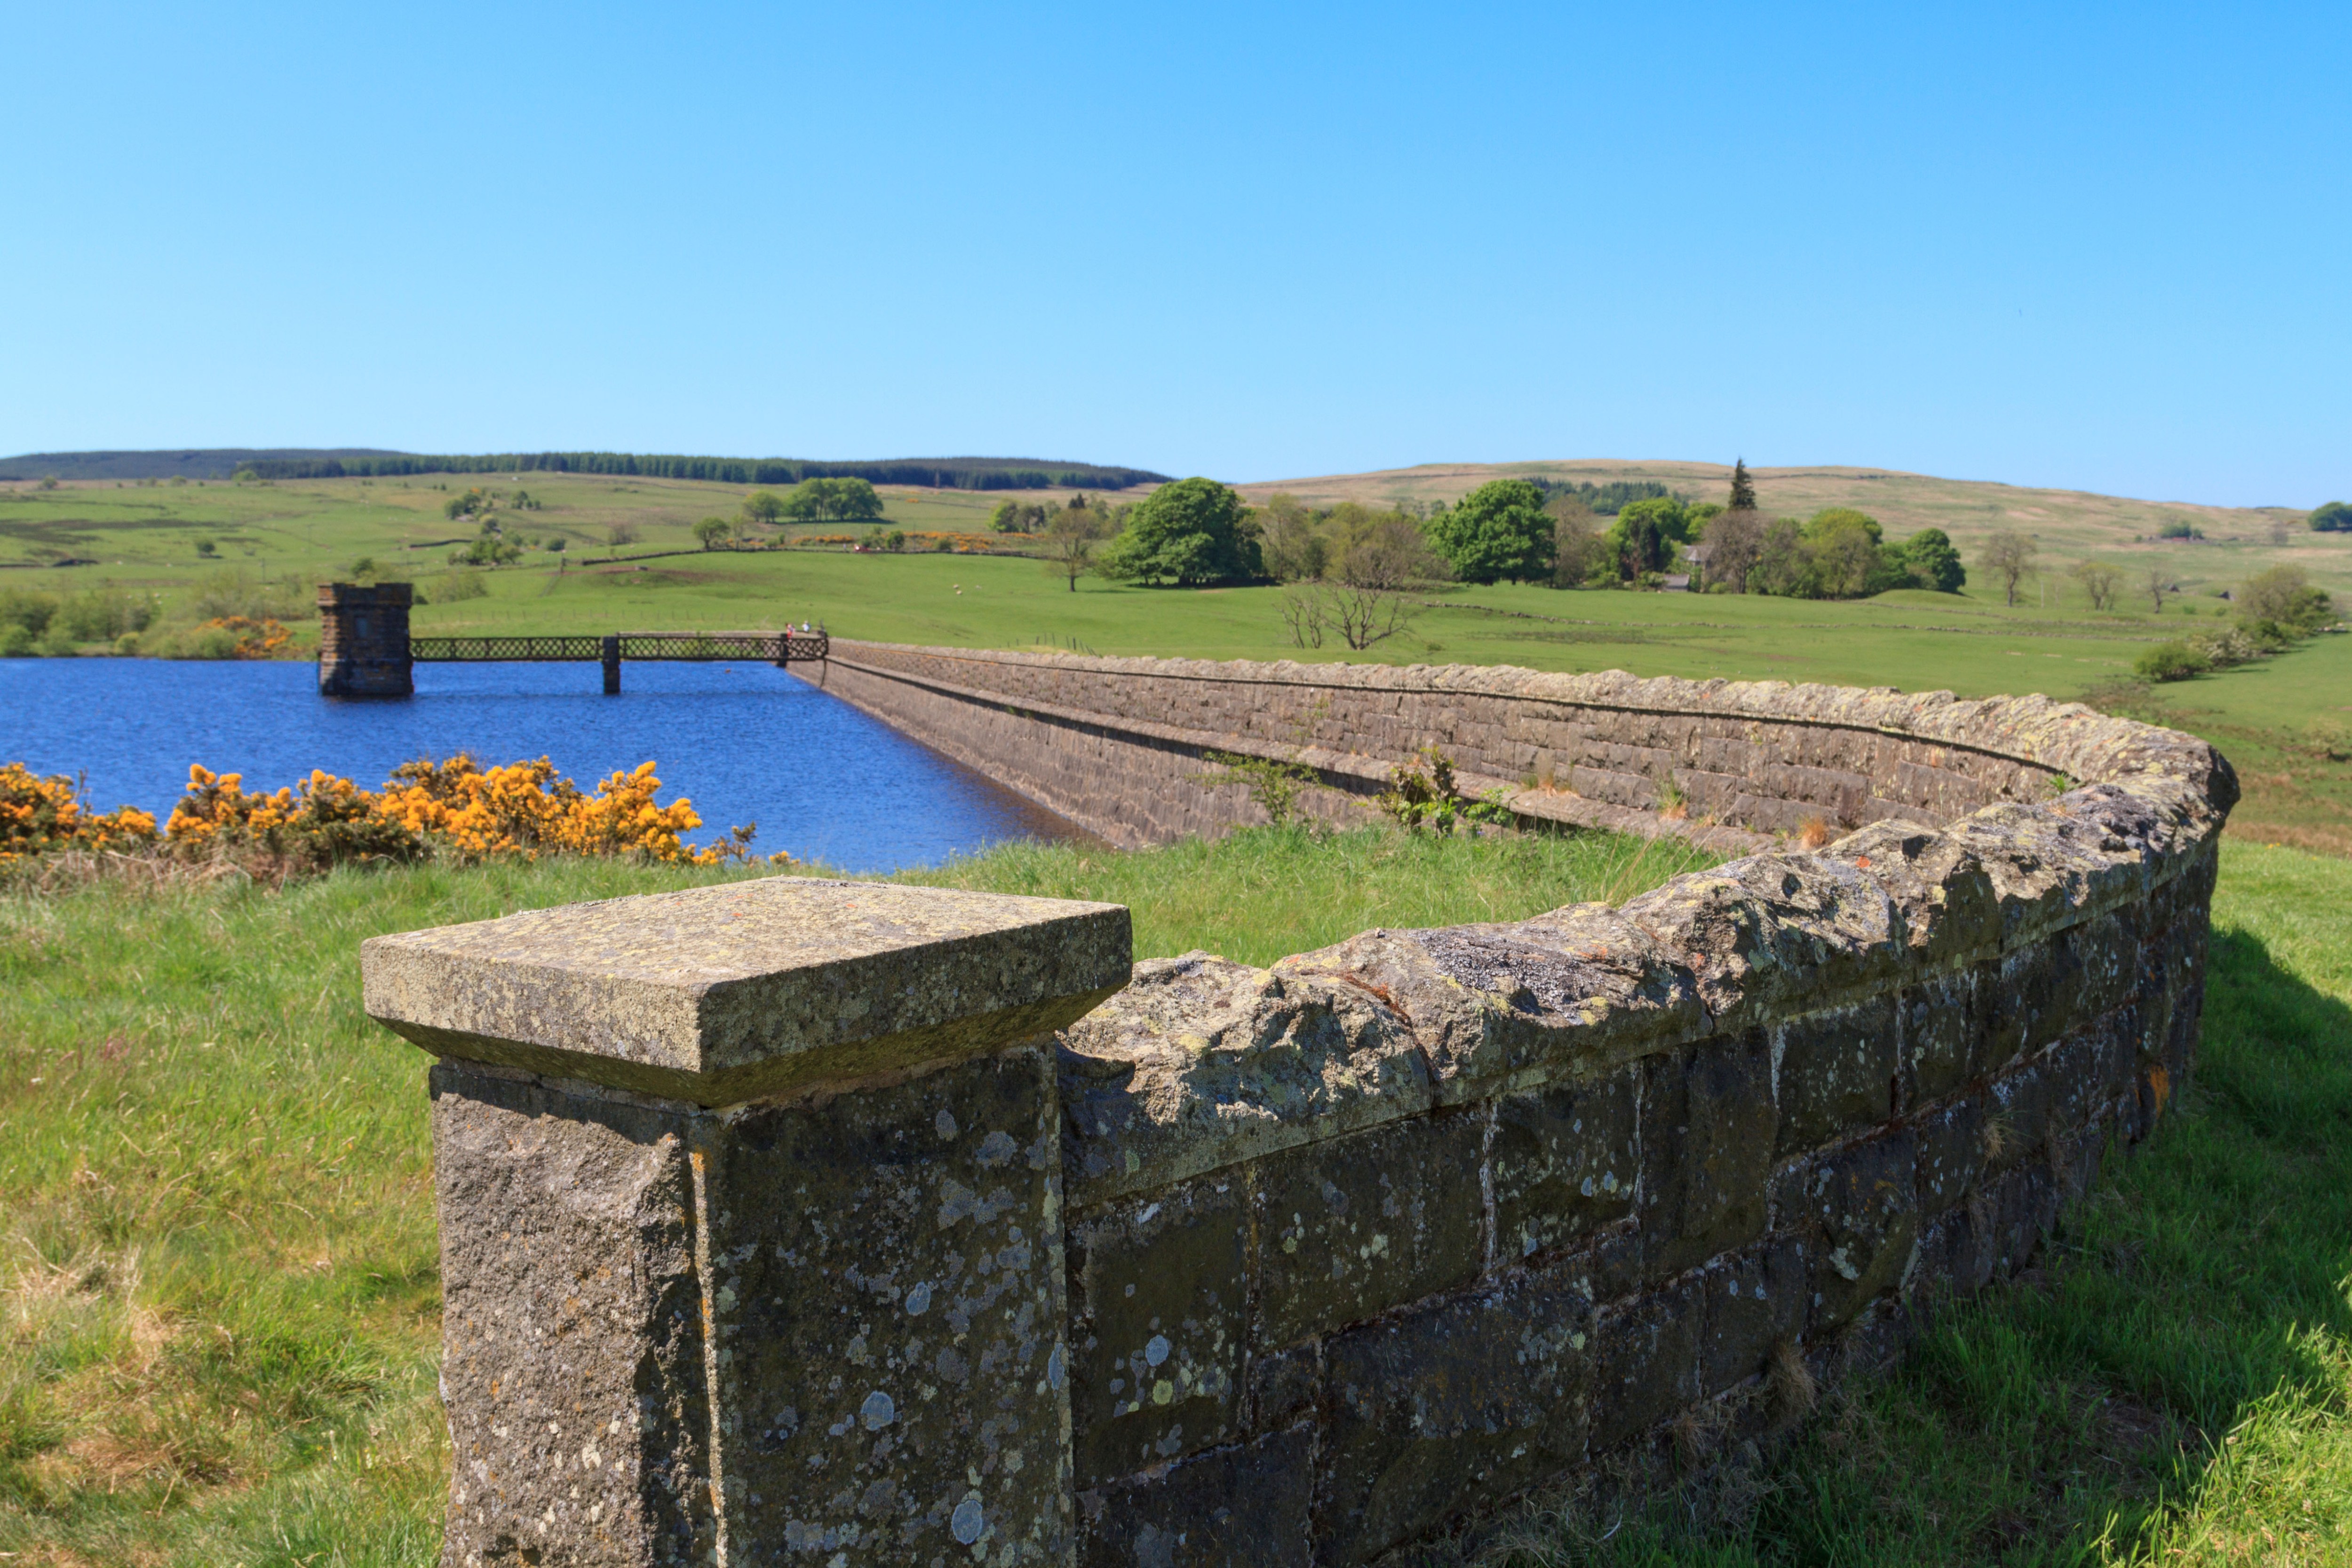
x=219, y=1276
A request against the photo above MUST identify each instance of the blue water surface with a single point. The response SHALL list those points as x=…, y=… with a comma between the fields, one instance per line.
x=746, y=743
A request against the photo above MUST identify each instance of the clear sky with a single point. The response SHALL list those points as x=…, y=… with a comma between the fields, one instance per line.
x=2101, y=247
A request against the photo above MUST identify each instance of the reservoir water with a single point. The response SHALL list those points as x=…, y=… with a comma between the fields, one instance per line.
x=745, y=742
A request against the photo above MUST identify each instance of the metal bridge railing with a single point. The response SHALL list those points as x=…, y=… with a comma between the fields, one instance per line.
x=698, y=647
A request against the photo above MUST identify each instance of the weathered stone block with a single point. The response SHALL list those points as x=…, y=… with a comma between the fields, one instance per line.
x=1240, y=1507
x=1355, y=1225
x=2018, y=1114
x=1284, y=1386
x=1707, y=1128
x=1941, y=1033
x=886, y=1306
x=1862, y=1214
x=1452, y=1406
x=573, y=1352
x=1951, y=1152
x=722, y=994
x=1563, y=1163
x=1157, y=1291
x=1836, y=1072
x=1645, y=1356
x=1754, y=1299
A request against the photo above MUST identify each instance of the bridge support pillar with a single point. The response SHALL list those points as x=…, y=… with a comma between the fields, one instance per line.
x=364, y=639
x=612, y=666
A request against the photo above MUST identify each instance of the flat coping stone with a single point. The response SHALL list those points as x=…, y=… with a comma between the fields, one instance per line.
x=747, y=990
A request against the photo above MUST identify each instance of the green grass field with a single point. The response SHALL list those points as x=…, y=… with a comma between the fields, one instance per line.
x=142, y=540
x=220, y=1292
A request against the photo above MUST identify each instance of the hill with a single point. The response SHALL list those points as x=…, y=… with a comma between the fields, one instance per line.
x=362, y=462
x=2068, y=524
x=208, y=463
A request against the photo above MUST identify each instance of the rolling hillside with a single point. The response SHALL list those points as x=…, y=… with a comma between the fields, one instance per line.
x=2069, y=524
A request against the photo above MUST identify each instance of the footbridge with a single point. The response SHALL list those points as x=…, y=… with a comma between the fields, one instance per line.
x=365, y=648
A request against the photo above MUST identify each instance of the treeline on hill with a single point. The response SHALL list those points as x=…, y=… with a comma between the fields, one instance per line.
x=938, y=473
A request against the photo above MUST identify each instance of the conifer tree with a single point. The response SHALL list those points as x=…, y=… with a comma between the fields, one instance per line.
x=1743, y=489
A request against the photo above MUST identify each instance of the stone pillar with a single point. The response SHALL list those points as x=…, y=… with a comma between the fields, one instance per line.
x=364, y=639
x=612, y=666
x=751, y=1232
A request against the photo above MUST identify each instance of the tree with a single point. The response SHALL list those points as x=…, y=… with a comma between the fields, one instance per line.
x=1576, y=551
x=1844, y=544
x=2336, y=517
x=621, y=533
x=765, y=507
x=830, y=499
x=1929, y=556
x=1743, y=489
x=1733, y=539
x=1648, y=535
x=2008, y=555
x=1499, y=530
x=2154, y=585
x=1189, y=533
x=1070, y=539
x=710, y=531
x=2099, y=581
x=2283, y=597
x=1291, y=538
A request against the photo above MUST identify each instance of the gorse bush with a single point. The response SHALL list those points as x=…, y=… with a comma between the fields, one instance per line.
x=451, y=810
x=41, y=815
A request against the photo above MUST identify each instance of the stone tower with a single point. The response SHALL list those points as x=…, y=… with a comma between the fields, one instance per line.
x=364, y=639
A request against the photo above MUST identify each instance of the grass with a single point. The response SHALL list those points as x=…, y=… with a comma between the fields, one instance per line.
x=2170, y=1384
x=218, y=1269
x=218, y=1286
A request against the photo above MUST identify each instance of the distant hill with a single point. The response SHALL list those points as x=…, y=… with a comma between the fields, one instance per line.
x=2067, y=525
x=353, y=462
x=210, y=463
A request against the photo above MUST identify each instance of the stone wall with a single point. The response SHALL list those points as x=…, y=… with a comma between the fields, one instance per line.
x=1116, y=745
x=364, y=639
x=1337, y=1252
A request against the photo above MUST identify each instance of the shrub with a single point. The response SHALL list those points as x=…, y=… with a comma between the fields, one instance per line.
x=26, y=610
x=2330, y=737
x=41, y=815
x=1422, y=792
x=1274, y=787
x=456, y=585
x=2169, y=661
x=2283, y=597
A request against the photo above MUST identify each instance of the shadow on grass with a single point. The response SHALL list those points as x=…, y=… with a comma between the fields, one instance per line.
x=2169, y=1379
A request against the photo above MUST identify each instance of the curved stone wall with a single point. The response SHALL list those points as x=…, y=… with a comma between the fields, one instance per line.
x=1390, y=1232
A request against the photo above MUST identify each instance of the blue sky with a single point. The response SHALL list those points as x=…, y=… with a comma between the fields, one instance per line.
x=2108, y=247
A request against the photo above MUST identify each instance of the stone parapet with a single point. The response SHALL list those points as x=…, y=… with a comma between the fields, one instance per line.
x=791, y=1217
x=751, y=1224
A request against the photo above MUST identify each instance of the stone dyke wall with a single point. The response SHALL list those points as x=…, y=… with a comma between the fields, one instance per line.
x=1117, y=745
x=1332, y=1256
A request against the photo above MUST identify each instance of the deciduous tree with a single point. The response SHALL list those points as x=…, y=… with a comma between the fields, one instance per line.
x=1189, y=533
x=2008, y=556
x=1499, y=530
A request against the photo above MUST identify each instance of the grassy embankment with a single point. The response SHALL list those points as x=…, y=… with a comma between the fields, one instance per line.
x=221, y=1299
x=219, y=1268
x=293, y=534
